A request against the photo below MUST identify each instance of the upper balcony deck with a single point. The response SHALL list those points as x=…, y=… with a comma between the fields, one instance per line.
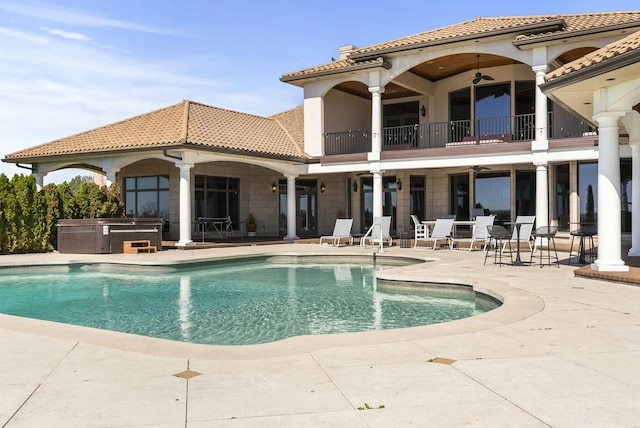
x=520, y=128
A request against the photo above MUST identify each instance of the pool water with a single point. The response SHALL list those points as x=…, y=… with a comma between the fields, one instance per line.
x=244, y=303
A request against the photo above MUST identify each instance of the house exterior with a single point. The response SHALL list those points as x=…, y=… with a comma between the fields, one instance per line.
x=512, y=114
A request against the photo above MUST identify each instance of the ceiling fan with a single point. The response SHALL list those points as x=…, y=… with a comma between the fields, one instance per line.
x=478, y=168
x=480, y=76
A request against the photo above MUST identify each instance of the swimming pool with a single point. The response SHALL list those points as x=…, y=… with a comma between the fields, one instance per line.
x=248, y=302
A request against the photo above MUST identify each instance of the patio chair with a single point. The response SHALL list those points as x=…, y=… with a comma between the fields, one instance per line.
x=378, y=233
x=341, y=230
x=421, y=232
x=526, y=228
x=548, y=233
x=497, y=234
x=441, y=231
x=479, y=234
x=475, y=212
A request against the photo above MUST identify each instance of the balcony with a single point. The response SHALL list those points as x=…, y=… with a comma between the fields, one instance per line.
x=561, y=124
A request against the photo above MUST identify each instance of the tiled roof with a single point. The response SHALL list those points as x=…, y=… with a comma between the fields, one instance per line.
x=528, y=30
x=292, y=121
x=627, y=45
x=186, y=124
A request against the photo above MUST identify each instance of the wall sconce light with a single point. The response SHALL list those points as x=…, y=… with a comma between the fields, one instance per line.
x=354, y=186
x=423, y=111
x=322, y=187
x=274, y=187
x=399, y=185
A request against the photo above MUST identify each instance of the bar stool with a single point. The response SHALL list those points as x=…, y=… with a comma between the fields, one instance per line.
x=549, y=233
x=584, y=233
x=497, y=234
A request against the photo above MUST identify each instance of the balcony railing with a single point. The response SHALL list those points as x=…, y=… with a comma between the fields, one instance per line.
x=457, y=133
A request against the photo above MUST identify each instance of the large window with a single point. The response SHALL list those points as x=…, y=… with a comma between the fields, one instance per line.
x=389, y=200
x=493, y=192
x=459, y=196
x=562, y=196
x=400, y=114
x=525, y=99
x=588, y=191
x=460, y=114
x=625, y=194
x=525, y=193
x=493, y=109
x=417, y=197
x=217, y=197
x=147, y=197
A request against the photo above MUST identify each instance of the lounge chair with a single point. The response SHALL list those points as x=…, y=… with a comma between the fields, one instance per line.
x=526, y=222
x=441, y=232
x=479, y=234
x=341, y=230
x=378, y=233
x=421, y=232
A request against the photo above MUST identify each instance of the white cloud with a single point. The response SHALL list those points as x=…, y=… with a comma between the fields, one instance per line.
x=52, y=14
x=67, y=34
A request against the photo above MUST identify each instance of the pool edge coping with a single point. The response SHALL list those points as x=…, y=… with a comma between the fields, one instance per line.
x=516, y=305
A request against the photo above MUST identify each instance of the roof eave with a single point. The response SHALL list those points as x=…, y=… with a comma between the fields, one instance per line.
x=384, y=64
x=191, y=146
x=591, y=71
x=574, y=34
x=553, y=25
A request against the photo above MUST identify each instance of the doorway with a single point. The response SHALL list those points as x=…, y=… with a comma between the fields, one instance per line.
x=306, y=207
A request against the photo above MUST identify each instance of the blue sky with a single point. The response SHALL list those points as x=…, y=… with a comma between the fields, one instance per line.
x=69, y=66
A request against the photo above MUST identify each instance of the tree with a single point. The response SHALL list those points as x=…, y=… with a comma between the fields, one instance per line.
x=76, y=182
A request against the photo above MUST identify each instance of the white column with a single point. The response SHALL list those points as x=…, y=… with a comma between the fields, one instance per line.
x=541, y=114
x=376, y=123
x=542, y=196
x=185, y=204
x=39, y=180
x=540, y=148
x=609, y=235
x=291, y=208
x=635, y=200
x=110, y=176
x=377, y=193
x=376, y=147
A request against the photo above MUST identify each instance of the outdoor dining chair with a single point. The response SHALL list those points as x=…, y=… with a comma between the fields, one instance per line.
x=479, y=234
x=421, y=232
x=441, y=232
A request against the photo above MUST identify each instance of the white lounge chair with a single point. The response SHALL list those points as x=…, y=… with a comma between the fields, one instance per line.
x=479, y=234
x=526, y=228
x=421, y=232
x=441, y=232
x=378, y=233
x=341, y=230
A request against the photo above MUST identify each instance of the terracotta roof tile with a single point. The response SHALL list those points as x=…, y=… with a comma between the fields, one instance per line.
x=530, y=27
x=292, y=121
x=578, y=23
x=630, y=43
x=181, y=125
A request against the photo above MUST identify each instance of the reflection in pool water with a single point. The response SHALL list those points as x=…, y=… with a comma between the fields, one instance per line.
x=243, y=303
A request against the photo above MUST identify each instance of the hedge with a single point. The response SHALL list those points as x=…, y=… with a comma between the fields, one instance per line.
x=28, y=217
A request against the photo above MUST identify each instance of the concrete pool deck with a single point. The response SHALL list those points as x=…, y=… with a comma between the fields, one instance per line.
x=563, y=351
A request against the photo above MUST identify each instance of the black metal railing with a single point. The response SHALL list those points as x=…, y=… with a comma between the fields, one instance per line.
x=561, y=124
x=339, y=143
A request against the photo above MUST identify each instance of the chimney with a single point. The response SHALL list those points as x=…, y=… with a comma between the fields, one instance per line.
x=344, y=51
